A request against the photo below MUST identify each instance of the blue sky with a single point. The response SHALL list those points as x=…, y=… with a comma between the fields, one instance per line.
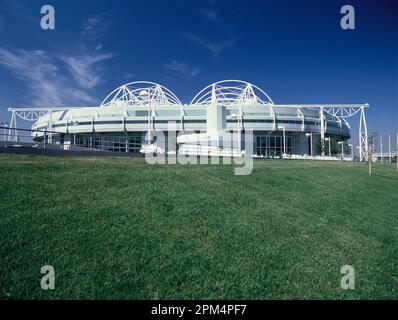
x=293, y=50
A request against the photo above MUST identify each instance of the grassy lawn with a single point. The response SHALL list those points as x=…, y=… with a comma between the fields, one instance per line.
x=120, y=228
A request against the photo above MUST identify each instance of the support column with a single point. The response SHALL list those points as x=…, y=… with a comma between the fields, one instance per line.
x=322, y=132
x=213, y=95
x=240, y=115
x=182, y=127
x=50, y=126
x=13, y=125
x=273, y=118
x=389, y=148
x=149, y=131
x=363, y=137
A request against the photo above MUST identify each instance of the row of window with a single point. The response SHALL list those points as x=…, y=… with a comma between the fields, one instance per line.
x=270, y=121
x=108, y=143
x=268, y=146
x=271, y=146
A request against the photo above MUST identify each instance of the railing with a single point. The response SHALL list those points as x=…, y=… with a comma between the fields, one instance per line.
x=26, y=138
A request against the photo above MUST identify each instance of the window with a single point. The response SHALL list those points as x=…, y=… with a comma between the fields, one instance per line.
x=273, y=146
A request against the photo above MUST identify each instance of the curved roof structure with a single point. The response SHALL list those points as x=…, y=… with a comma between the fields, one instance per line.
x=232, y=92
x=140, y=93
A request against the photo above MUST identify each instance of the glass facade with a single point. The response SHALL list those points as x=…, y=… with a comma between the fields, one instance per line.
x=110, y=143
x=273, y=146
x=268, y=146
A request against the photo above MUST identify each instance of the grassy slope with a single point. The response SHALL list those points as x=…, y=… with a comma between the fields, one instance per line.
x=119, y=228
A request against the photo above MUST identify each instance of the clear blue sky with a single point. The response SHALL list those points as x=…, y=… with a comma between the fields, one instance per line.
x=294, y=50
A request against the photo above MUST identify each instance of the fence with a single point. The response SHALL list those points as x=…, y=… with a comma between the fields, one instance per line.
x=53, y=140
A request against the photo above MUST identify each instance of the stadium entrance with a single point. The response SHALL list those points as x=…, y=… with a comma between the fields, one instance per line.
x=274, y=146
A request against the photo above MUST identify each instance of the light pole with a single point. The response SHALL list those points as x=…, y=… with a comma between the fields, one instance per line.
x=389, y=148
x=284, y=138
x=237, y=117
x=144, y=95
x=342, y=149
x=328, y=139
x=309, y=134
x=5, y=127
x=370, y=156
x=352, y=151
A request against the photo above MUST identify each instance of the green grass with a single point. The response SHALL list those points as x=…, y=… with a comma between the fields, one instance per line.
x=120, y=228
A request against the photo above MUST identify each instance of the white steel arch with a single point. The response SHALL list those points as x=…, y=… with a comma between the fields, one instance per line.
x=231, y=92
x=347, y=111
x=141, y=93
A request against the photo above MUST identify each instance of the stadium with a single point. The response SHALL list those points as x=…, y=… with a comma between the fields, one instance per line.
x=129, y=117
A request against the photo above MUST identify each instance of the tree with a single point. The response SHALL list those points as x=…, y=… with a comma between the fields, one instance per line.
x=319, y=146
x=335, y=147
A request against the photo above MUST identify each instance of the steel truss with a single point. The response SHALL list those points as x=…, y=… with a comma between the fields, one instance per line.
x=343, y=112
x=30, y=115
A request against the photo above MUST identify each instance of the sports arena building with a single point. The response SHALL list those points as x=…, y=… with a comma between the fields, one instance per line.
x=129, y=117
